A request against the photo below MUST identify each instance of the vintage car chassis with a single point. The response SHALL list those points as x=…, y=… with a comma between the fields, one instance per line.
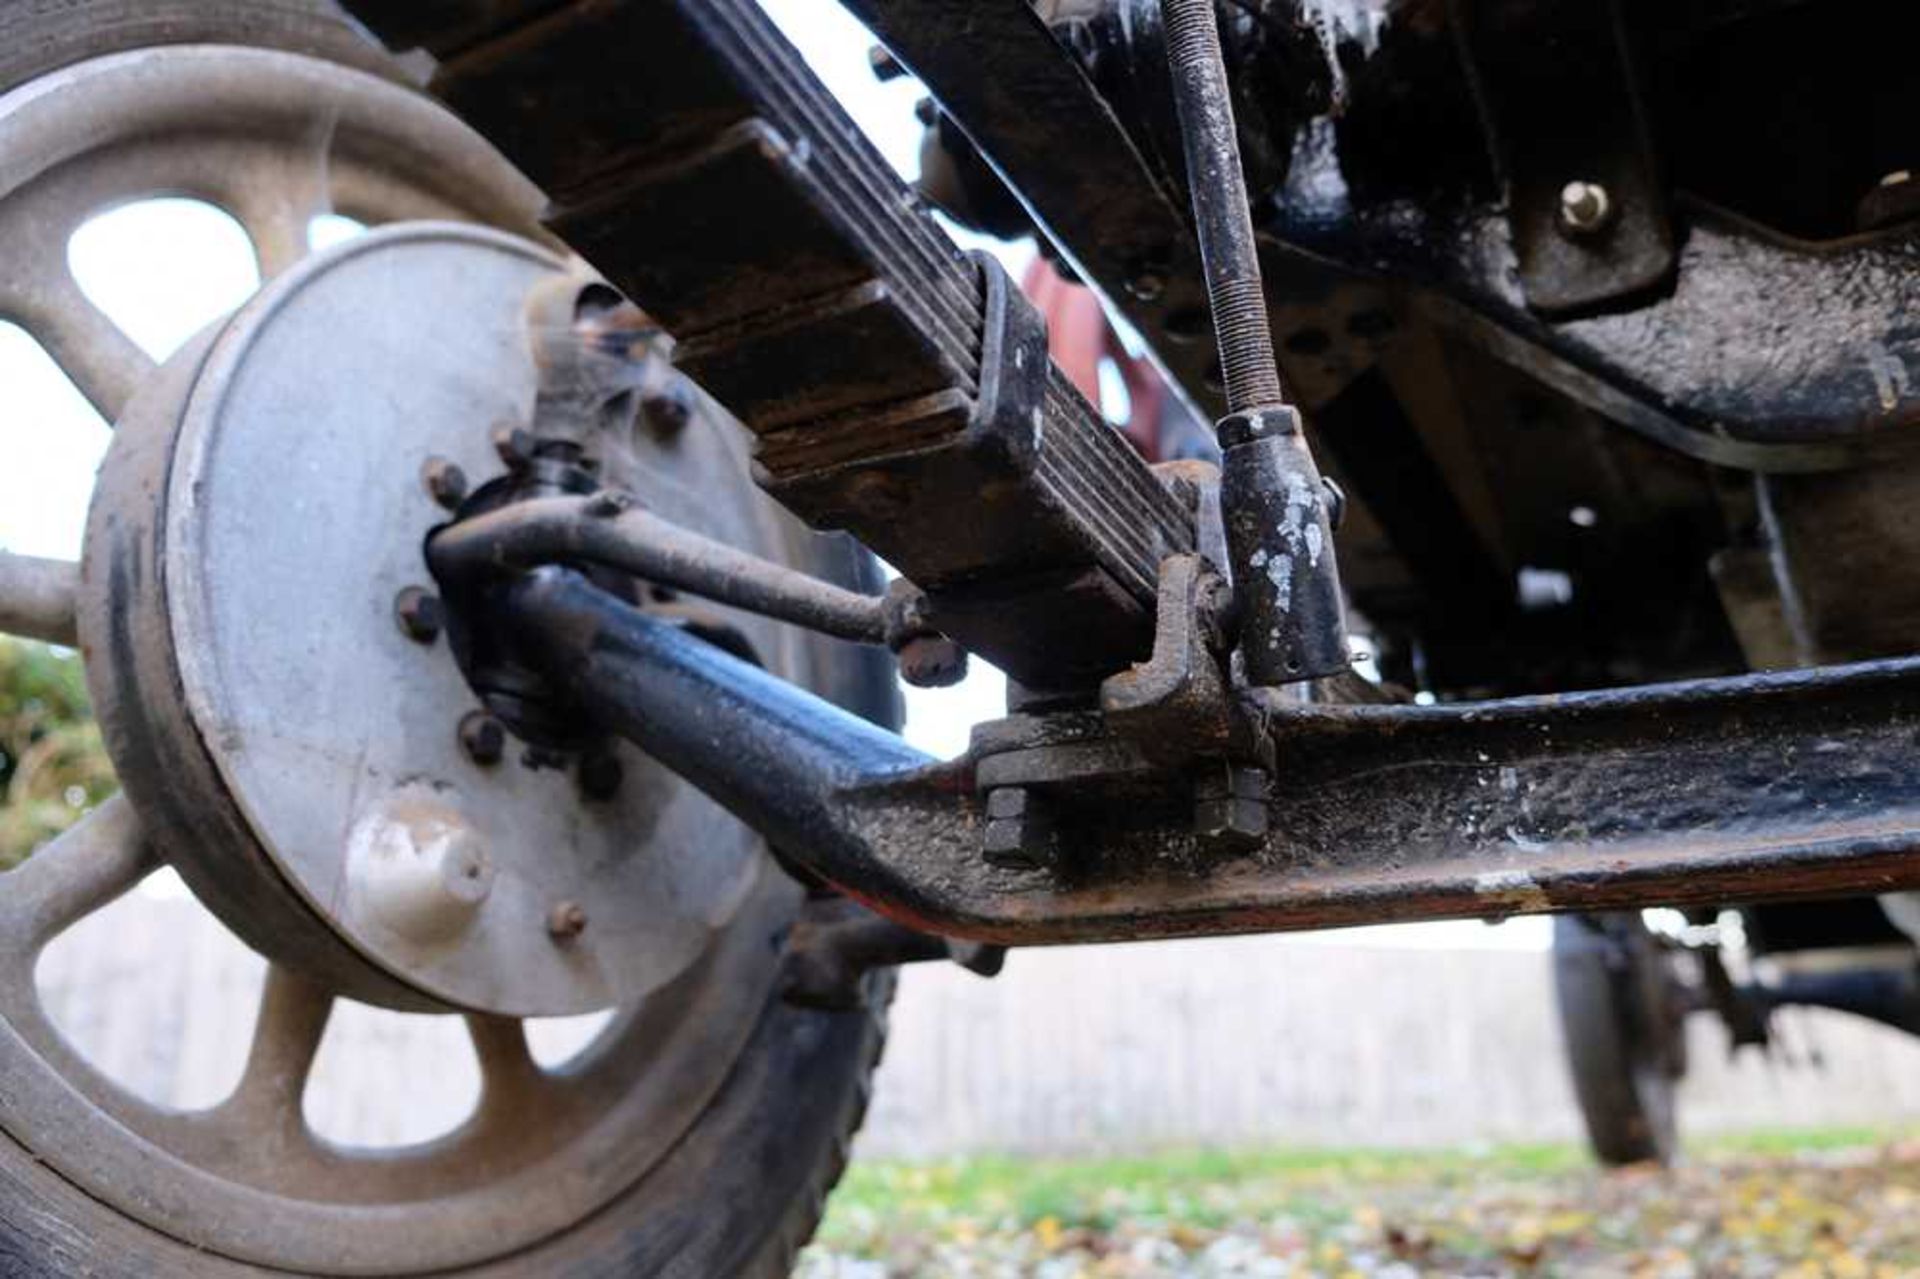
x=1185, y=805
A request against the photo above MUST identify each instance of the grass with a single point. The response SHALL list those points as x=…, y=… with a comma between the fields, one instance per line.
x=1208, y=1189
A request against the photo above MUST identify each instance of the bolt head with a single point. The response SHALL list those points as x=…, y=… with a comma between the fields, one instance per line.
x=609, y=503
x=420, y=614
x=1586, y=208
x=601, y=774
x=1230, y=808
x=1009, y=846
x=1011, y=802
x=884, y=66
x=483, y=737
x=667, y=412
x=566, y=921
x=1147, y=286
x=445, y=482
x=514, y=444
x=932, y=661
x=1019, y=833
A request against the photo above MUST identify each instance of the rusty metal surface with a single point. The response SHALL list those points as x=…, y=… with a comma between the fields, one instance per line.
x=1781, y=785
x=1175, y=704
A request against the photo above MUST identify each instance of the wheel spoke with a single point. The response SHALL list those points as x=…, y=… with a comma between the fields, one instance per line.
x=279, y=234
x=286, y=1038
x=276, y=201
x=83, y=869
x=90, y=348
x=37, y=598
x=507, y=1068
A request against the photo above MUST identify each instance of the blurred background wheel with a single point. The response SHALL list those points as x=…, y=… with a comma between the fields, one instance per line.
x=1622, y=1014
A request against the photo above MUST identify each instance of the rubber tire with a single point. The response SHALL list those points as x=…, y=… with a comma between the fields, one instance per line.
x=38, y=36
x=1623, y=1044
x=744, y=1188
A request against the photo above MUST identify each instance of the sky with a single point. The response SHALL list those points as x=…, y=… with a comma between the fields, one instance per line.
x=163, y=269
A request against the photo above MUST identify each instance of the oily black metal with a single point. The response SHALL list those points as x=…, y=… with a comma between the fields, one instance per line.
x=1279, y=523
x=836, y=942
x=895, y=387
x=1218, y=189
x=1779, y=342
x=1288, y=604
x=1773, y=786
x=1890, y=996
x=608, y=530
x=1374, y=161
x=1559, y=91
x=1403, y=187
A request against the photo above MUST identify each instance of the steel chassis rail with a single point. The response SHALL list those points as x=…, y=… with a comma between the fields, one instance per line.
x=1768, y=786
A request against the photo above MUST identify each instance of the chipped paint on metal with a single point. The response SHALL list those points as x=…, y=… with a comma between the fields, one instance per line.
x=1514, y=889
x=1890, y=378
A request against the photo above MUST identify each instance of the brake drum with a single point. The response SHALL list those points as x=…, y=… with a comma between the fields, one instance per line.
x=294, y=749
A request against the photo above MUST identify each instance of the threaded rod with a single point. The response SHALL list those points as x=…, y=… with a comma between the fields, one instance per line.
x=1220, y=205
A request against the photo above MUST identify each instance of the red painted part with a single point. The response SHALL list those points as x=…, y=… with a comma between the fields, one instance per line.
x=1080, y=338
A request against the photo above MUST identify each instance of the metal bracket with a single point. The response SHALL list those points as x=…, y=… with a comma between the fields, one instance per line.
x=1175, y=705
x=1586, y=204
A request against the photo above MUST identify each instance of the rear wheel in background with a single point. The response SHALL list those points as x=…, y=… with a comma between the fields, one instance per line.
x=1622, y=1014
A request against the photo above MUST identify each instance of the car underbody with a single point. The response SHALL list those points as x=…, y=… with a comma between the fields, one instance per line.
x=1556, y=555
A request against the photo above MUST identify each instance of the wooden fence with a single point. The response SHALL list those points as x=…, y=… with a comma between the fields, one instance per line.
x=1241, y=1042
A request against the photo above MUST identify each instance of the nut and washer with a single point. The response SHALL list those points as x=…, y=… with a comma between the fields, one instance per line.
x=1586, y=208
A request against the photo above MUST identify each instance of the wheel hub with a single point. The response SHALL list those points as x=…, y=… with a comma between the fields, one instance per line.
x=283, y=705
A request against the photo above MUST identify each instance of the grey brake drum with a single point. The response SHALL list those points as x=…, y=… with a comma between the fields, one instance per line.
x=296, y=751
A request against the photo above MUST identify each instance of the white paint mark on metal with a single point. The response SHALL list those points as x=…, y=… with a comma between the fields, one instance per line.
x=1280, y=573
x=1890, y=376
x=1337, y=23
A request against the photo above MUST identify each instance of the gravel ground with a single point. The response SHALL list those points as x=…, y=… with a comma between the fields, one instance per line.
x=1833, y=1205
